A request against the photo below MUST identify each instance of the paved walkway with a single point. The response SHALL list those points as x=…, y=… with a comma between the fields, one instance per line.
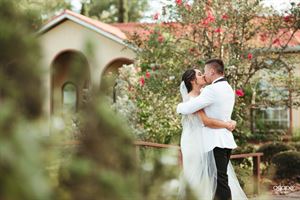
x=290, y=196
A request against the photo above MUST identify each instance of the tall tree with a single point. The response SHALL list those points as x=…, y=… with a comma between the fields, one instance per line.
x=43, y=9
x=115, y=10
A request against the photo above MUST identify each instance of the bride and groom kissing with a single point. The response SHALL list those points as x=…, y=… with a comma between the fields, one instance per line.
x=206, y=140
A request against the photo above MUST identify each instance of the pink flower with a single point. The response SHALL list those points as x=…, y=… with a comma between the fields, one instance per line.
x=160, y=39
x=225, y=16
x=178, y=2
x=211, y=17
x=148, y=75
x=142, y=81
x=218, y=30
x=239, y=93
x=250, y=56
x=155, y=17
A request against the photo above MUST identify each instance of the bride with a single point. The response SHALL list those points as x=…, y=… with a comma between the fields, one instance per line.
x=199, y=168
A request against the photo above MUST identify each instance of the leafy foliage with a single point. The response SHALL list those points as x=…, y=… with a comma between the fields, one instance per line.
x=22, y=169
x=272, y=149
x=42, y=10
x=249, y=38
x=104, y=164
x=115, y=10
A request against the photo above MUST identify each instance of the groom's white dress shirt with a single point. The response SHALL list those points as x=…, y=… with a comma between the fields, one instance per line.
x=217, y=100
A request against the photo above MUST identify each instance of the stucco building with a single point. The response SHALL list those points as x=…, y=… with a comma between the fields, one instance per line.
x=77, y=51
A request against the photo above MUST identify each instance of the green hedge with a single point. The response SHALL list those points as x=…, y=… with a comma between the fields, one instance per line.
x=271, y=149
x=287, y=164
x=296, y=145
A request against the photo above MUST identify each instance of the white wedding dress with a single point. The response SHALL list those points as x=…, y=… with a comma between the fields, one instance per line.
x=199, y=168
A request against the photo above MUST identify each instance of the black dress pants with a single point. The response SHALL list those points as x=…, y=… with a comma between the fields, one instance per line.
x=222, y=157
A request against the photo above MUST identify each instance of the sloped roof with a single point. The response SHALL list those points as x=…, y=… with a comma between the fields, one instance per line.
x=119, y=31
x=106, y=30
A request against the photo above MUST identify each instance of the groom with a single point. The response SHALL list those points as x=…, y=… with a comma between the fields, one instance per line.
x=217, y=100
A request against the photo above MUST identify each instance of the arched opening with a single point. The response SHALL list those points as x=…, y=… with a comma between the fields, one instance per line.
x=114, y=65
x=69, y=97
x=70, y=81
x=110, y=74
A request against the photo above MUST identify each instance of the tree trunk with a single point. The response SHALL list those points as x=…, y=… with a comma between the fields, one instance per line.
x=83, y=9
x=290, y=131
x=123, y=11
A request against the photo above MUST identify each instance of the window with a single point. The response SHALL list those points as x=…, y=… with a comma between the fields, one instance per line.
x=69, y=95
x=271, y=119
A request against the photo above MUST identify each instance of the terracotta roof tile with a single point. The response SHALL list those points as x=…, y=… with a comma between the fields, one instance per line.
x=121, y=29
x=130, y=28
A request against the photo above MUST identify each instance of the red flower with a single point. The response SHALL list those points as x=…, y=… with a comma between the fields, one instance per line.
x=276, y=41
x=209, y=19
x=142, y=81
x=239, y=93
x=250, y=56
x=287, y=18
x=218, y=30
x=148, y=75
x=178, y=2
x=225, y=16
x=155, y=17
x=205, y=22
x=160, y=39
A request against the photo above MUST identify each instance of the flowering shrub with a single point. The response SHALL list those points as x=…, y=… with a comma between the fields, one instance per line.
x=134, y=89
x=242, y=33
x=126, y=103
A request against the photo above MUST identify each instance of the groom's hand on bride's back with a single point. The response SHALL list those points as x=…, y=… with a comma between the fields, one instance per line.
x=231, y=125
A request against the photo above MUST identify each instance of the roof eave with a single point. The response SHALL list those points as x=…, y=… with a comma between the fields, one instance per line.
x=66, y=16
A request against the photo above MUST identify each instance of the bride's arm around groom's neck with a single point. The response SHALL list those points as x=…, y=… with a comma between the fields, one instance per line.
x=205, y=99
